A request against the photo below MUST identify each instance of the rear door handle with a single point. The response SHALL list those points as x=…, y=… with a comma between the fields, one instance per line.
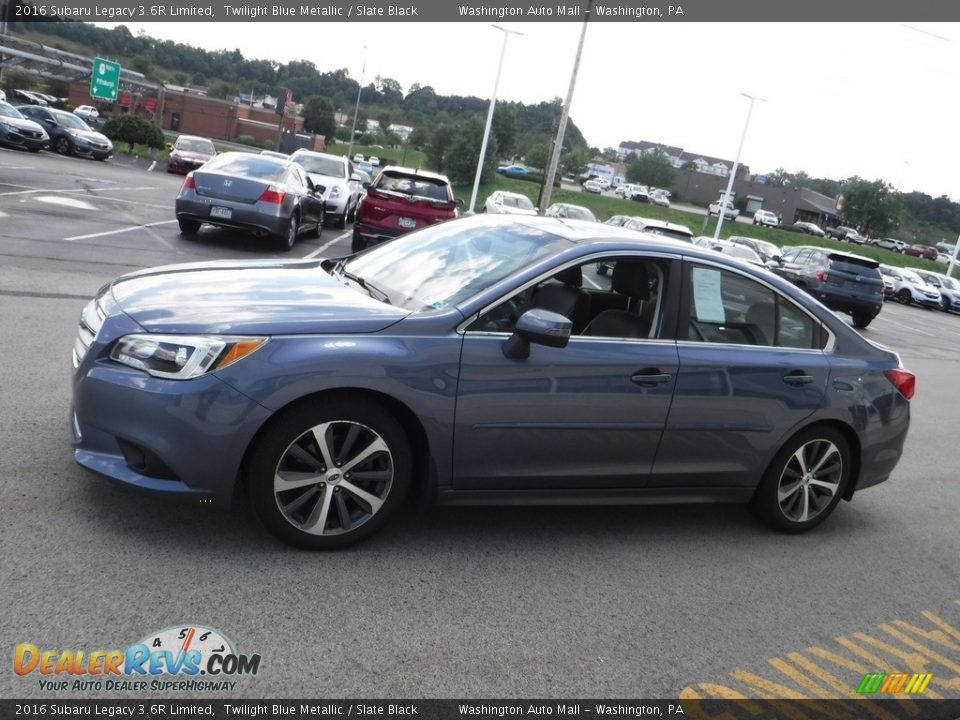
x=797, y=378
x=650, y=377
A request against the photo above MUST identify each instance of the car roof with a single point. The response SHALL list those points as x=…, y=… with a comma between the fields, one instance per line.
x=313, y=153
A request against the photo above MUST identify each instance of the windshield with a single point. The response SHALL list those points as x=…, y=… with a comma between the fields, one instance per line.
x=948, y=283
x=254, y=166
x=331, y=167
x=518, y=201
x=9, y=111
x=579, y=213
x=912, y=277
x=448, y=263
x=69, y=120
x=197, y=145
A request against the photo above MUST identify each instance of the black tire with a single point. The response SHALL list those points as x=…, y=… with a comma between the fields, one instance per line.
x=903, y=297
x=804, y=491
x=944, y=304
x=358, y=243
x=339, y=504
x=861, y=320
x=340, y=221
x=289, y=238
x=352, y=215
x=63, y=146
x=188, y=227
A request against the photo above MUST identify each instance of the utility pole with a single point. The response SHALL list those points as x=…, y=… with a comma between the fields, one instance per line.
x=736, y=164
x=356, y=110
x=551, y=172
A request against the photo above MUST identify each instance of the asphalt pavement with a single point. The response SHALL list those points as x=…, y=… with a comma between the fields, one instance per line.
x=612, y=602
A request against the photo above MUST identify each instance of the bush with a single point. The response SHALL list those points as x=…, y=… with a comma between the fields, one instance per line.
x=134, y=131
x=269, y=145
x=246, y=140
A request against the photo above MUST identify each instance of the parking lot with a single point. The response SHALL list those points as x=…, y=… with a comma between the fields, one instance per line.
x=655, y=601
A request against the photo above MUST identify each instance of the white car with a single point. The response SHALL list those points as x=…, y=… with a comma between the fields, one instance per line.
x=767, y=218
x=358, y=158
x=624, y=190
x=729, y=211
x=3, y=96
x=908, y=287
x=604, y=183
x=660, y=198
x=948, y=287
x=374, y=160
x=741, y=252
x=508, y=203
x=593, y=186
x=88, y=113
x=334, y=175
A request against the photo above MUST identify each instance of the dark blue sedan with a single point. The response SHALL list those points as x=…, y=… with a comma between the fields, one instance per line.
x=483, y=361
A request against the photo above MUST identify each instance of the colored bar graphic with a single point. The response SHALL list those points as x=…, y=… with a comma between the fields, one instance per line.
x=894, y=683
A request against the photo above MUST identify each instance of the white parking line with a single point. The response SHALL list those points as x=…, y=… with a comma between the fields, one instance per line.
x=152, y=166
x=326, y=245
x=912, y=328
x=119, y=230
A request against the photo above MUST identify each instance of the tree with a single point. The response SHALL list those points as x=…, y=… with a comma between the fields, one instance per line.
x=318, y=116
x=180, y=78
x=504, y=128
x=385, y=118
x=651, y=169
x=142, y=64
x=221, y=89
x=536, y=156
x=437, y=145
x=875, y=206
x=461, y=159
x=778, y=177
x=574, y=160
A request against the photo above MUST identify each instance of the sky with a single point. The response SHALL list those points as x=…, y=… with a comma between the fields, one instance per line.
x=878, y=100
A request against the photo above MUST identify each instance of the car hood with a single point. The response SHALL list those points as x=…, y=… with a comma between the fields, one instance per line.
x=326, y=181
x=23, y=124
x=249, y=298
x=93, y=136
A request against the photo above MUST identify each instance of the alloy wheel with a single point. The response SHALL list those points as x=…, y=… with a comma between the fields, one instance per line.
x=809, y=480
x=333, y=478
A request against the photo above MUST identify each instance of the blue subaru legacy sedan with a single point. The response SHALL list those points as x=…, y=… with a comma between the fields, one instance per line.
x=483, y=361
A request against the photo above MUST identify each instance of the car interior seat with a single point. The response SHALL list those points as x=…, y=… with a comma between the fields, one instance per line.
x=562, y=295
x=632, y=279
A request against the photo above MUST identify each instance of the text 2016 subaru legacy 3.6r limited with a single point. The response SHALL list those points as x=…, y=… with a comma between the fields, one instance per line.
x=483, y=361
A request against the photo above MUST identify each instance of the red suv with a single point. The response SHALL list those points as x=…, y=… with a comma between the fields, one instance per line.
x=401, y=200
x=924, y=251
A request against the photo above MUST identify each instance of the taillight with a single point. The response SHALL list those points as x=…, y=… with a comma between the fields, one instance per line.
x=903, y=380
x=189, y=183
x=272, y=195
x=822, y=275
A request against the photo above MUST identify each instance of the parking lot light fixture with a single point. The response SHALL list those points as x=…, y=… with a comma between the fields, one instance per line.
x=356, y=110
x=493, y=104
x=736, y=164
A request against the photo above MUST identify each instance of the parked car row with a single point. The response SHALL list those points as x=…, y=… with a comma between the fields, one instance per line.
x=36, y=127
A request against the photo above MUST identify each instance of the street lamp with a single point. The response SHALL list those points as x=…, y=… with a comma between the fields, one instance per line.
x=493, y=103
x=356, y=110
x=736, y=164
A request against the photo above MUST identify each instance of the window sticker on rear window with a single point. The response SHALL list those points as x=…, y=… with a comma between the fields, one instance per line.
x=707, y=301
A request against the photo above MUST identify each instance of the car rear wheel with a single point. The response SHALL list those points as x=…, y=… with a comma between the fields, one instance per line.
x=63, y=146
x=358, y=243
x=861, y=320
x=329, y=474
x=188, y=227
x=289, y=238
x=904, y=296
x=805, y=481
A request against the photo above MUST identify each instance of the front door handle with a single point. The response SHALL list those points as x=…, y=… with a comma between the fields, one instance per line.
x=797, y=378
x=650, y=377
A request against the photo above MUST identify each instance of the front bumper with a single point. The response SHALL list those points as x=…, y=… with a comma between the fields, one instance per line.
x=182, y=440
x=18, y=139
x=373, y=235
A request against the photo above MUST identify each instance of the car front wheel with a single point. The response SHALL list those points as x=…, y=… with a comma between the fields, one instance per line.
x=904, y=296
x=329, y=474
x=63, y=146
x=805, y=481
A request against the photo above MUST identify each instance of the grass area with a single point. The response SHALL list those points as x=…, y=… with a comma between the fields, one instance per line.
x=606, y=205
x=411, y=157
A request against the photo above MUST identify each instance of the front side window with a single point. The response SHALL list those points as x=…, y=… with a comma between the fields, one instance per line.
x=729, y=308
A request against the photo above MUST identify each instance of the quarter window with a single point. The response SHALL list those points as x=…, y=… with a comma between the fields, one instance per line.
x=726, y=307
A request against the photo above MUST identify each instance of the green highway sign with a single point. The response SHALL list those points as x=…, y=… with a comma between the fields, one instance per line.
x=105, y=79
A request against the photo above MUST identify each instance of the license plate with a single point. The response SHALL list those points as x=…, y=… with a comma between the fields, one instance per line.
x=406, y=222
x=220, y=212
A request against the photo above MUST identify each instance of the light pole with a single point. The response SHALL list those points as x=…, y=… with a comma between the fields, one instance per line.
x=356, y=110
x=736, y=164
x=493, y=104
x=551, y=171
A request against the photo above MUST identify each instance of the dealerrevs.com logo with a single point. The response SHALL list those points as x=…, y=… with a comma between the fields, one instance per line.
x=188, y=658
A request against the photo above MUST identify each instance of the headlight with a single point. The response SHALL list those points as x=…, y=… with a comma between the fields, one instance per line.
x=335, y=192
x=182, y=357
x=7, y=128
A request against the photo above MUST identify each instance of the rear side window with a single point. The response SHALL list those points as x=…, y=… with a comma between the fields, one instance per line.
x=729, y=308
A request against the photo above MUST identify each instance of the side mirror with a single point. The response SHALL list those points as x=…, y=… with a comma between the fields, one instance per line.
x=459, y=202
x=542, y=327
x=169, y=147
x=367, y=184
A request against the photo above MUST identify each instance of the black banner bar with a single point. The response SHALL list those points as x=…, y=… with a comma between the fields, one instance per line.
x=480, y=11
x=486, y=709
